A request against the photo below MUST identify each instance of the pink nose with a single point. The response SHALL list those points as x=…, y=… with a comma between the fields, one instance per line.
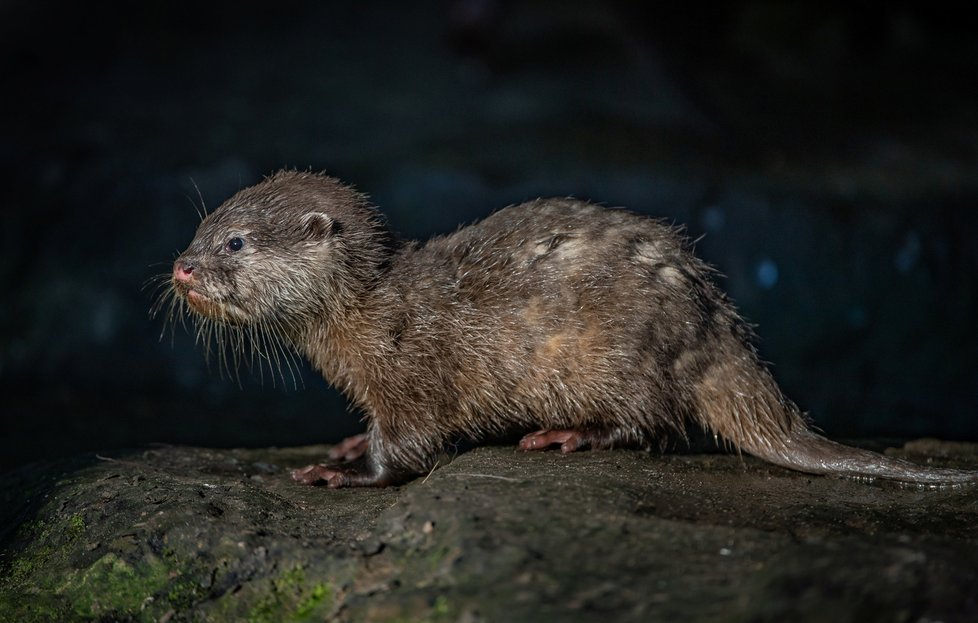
x=182, y=270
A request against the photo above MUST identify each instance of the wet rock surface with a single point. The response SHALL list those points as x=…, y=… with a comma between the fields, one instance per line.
x=183, y=533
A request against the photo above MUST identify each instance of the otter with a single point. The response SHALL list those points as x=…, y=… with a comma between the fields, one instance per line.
x=570, y=324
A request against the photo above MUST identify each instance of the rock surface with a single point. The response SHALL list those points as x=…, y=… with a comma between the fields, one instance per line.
x=194, y=534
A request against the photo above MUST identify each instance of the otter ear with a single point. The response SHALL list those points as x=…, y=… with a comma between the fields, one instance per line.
x=319, y=226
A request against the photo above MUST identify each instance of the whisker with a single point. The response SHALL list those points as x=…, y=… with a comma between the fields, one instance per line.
x=290, y=355
x=176, y=311
x=232, y=342
x=266, y=346
x=260, y=350
x=202, y=213
x=160, y=278
x=271, y=354
x=159, y=288
x=161, y=299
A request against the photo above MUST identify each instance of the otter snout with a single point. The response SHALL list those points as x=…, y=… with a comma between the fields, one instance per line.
x=183, y=271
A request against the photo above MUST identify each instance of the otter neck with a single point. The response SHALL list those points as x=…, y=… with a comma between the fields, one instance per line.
x=346, y=343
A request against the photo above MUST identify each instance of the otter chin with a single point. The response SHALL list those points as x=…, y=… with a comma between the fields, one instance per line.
x=199, y=302
x=570, y=324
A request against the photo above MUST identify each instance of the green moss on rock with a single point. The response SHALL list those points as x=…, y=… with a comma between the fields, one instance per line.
x=291, y=597
x=113, y=586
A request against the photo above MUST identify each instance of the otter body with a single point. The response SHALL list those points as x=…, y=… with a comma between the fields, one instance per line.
x=556, y=319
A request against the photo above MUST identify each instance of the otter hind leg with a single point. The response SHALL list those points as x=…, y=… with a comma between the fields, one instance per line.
x=379, y=460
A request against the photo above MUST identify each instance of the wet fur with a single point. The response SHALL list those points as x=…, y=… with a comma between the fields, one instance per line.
x=553, y=314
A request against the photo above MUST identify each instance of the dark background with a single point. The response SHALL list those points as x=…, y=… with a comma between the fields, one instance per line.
x=827, y=153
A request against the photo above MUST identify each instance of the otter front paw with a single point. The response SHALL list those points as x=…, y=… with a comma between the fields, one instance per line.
x=321, y=474
x=334, y=477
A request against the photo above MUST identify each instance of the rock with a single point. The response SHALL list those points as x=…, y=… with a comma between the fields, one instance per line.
x=180, y=533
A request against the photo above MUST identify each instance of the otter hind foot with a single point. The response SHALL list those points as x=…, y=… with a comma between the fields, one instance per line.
x=571, y=440
x=568, y=440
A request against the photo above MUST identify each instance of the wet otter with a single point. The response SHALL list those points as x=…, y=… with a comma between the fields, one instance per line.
x=575, y=325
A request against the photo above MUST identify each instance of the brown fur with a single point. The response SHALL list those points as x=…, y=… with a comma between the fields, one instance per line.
x=555, y=314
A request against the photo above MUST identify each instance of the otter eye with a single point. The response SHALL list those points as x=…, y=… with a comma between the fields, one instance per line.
x=234, y=244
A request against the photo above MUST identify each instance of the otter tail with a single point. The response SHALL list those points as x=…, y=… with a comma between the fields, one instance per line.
x=809, y=452
x=739, y=401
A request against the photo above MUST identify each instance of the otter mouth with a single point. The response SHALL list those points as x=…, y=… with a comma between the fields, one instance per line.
x=201, y=303
x=210, y=307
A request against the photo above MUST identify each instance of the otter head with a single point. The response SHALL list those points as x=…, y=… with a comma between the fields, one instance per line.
x=272, y=253
x=292, y=252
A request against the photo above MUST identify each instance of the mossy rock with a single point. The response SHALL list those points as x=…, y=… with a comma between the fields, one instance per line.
x=191, y=534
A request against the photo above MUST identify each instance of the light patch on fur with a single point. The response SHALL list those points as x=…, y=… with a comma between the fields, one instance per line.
x=534, y=311
x=540, y=248
x=570, y=249
x=551, y=349
x=649, y=252
x=548, y=244
x=671, y=275
x=685, y=359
